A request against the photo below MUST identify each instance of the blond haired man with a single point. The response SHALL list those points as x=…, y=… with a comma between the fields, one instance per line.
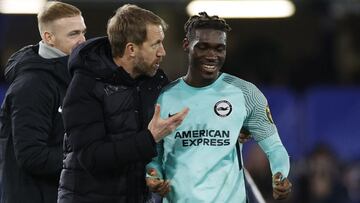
x=31, y=127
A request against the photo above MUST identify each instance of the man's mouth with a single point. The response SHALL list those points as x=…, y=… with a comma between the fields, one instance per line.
x=208, y=67
x=156, y=65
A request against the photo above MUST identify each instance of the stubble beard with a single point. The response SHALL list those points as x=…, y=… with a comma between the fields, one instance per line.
x=142, y=68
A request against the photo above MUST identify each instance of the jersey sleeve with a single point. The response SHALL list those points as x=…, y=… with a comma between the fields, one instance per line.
x=277, y=154
x=261, y=126
x=258, y=119
x=156, y=162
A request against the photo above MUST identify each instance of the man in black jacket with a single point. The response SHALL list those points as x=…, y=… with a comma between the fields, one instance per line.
x=111, y=129
x=31, y=127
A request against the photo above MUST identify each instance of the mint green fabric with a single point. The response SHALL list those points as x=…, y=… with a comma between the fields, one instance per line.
x=200, y=157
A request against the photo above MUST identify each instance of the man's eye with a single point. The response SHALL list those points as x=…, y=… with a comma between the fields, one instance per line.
x=155, y=46
x=73, y=33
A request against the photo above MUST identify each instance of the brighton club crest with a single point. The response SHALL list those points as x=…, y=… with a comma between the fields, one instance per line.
x=223, y=108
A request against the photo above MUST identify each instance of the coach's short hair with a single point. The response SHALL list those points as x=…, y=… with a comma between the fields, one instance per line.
x=129, y=25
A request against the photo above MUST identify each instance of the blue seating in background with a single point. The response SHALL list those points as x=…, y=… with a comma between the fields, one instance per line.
x=332, y=116
x=329, y=115
x=285, y=109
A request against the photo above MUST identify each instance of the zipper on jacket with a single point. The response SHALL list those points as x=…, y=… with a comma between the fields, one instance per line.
x=138, y=107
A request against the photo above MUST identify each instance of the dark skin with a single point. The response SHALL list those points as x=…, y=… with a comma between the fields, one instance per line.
x=206, y=51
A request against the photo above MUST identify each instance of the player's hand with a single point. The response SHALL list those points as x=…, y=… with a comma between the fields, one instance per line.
x=281, y=187
x=159, y=127
x=156, y=184
x=244, y=135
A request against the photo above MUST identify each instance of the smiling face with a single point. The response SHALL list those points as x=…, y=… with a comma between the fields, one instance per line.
x=206, y=51
x=150, y=52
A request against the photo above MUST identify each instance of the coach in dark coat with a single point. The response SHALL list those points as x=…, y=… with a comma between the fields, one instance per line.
x=108, y=111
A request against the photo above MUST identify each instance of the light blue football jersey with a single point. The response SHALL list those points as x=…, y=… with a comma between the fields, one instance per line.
x=202, y=157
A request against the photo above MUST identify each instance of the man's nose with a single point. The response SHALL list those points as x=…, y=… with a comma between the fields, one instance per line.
x=161, y=52
x=211, y=53
x=82, y=38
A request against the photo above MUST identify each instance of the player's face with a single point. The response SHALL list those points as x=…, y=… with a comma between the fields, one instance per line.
x=207, y=52
x=151, y=52
x=67, y=33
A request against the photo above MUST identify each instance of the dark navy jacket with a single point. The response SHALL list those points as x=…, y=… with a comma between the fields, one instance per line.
x=106, y=114
x=31, y=127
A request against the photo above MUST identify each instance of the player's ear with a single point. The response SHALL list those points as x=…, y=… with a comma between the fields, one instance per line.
x=186, y=45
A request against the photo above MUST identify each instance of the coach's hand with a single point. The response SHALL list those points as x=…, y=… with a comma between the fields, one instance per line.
x=156, y=184
x=159, y=127
x=281, y=186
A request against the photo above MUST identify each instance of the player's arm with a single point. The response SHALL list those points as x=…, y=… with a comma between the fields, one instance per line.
x=154, y=173
x=279, y=164
x=157, y=184
x=261, y=126
x=154, y=168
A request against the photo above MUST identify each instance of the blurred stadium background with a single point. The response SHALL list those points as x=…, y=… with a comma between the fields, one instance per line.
x=307, y=65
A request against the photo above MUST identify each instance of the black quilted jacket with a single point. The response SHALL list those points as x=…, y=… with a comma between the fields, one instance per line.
x=106, y=114
x=31, y=127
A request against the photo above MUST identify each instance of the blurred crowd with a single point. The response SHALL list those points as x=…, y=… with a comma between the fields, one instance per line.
x=319, y=177
x=326, y=51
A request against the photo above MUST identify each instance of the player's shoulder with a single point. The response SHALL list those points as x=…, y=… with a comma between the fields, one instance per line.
x=237, y=82
x=171, y=86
